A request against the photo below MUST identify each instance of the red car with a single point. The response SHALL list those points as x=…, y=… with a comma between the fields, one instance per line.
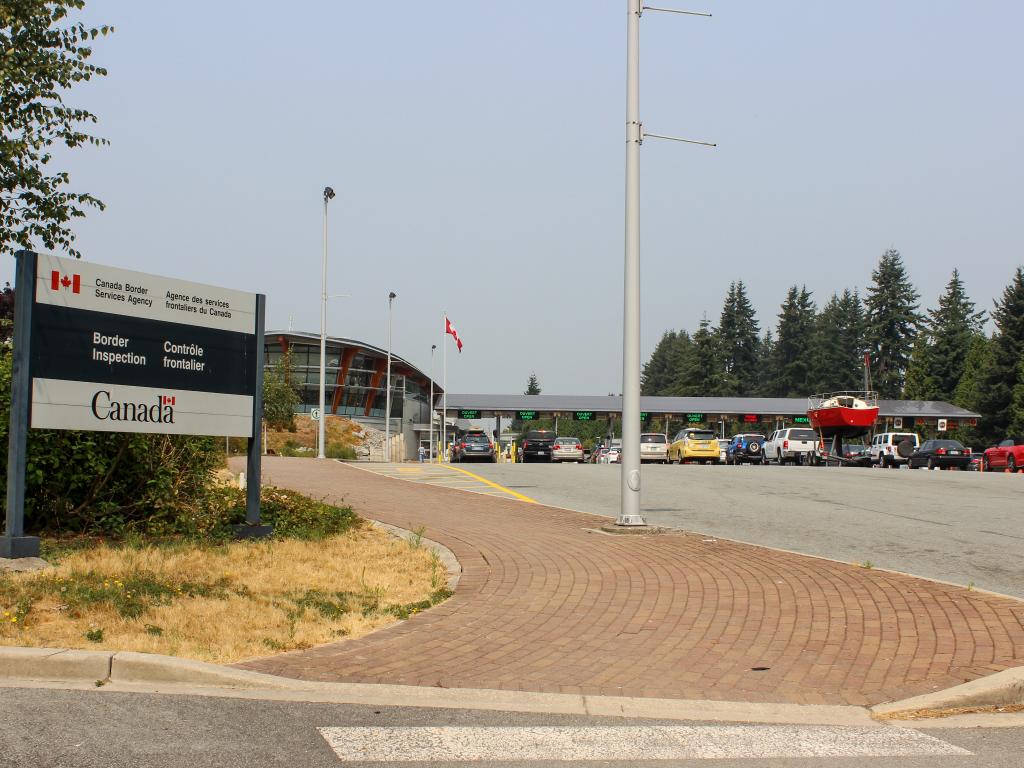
x=1009, y=454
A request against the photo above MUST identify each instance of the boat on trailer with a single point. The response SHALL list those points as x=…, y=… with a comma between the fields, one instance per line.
x=836, y=416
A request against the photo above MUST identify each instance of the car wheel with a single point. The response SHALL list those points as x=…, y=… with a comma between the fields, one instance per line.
x=931, y=464
x=1011, y=464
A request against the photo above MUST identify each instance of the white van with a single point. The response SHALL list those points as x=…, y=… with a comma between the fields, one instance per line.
x=792, y=444
x=884, y=448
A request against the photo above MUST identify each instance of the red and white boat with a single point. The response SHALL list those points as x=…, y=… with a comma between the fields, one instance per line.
x=842, y=414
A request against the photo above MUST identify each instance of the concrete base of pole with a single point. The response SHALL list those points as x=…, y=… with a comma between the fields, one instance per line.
x=246, y=531
x=631, y=520
x=16, y=547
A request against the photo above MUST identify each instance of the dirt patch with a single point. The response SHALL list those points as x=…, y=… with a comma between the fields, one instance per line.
x=339, y=432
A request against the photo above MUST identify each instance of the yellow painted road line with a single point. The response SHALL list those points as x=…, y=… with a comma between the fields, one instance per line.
x=485, y=481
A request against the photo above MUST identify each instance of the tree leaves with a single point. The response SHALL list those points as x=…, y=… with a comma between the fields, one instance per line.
x=42, y=58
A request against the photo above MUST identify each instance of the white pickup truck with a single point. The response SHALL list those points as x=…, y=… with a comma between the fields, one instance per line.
x=795, y=445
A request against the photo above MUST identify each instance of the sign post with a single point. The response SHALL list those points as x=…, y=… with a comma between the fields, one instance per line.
x=107, y=349
x=14, y=543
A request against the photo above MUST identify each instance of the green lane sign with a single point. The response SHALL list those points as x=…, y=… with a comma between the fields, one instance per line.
x=801, y=420
x=583, y=416
x=469, y=413
x=644, y=416
x=526, y=415
x=694, y=418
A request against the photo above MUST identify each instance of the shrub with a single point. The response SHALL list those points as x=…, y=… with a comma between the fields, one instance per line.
x=101, y=482
x=338, y=451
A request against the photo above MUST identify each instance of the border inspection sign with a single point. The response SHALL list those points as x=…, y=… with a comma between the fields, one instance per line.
x=108, y=349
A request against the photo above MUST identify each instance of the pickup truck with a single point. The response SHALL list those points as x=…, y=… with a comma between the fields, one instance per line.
x=795, y=445
x=1008, y=455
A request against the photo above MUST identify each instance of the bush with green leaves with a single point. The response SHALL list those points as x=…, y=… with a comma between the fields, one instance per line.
x=111, y=483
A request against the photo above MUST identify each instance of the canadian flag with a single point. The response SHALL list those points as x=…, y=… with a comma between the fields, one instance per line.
x=168, y=399
x=58, y=281
x=449, y=328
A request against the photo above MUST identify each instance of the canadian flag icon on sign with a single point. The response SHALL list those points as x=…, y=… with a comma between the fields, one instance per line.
x=59, y=282
x=168, y=400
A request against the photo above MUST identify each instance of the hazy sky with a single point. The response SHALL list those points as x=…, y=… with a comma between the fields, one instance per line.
x=477, y=149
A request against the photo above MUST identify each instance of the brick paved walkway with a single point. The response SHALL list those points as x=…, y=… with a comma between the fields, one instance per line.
x=545, y=605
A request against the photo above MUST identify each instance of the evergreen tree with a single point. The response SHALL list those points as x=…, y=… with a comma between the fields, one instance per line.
x=838, y=350
x=918, y=384
x=950, y=330
x=739, y=340
x=792, y=356
x=1017, y=406
x=968, y=390
x=680, y=358
x=532, y=385
x=1002, y=372
x=892, y=322
x=766, y=366
x=699, y=374
x=657, y=373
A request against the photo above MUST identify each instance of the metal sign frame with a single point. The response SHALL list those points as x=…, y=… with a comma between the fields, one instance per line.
x=14, y=543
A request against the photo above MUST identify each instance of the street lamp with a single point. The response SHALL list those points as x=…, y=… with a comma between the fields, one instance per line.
x=328, y=195
x=387, y=399
x=432, y=348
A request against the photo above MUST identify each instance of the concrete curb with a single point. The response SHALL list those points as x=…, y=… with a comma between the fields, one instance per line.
x=448, y=558
x=127, y=671
x=1001, y=689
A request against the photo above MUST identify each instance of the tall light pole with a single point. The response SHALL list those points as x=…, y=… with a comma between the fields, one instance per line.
x=328, y=195
x=387, y=398
x=629, y=513
x=432, y=348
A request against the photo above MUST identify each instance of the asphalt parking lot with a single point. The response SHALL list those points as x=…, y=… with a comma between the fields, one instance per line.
x=963, y=527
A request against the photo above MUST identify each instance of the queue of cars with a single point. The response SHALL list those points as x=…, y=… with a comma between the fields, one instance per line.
x=790, y=445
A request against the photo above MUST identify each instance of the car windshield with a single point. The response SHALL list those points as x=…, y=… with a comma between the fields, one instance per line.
x=955, y=444
x=802, y=434
x=566, y=441
x=751, y=437
x=696, y=435
x=653, y=438
x=476, y=437
x=538, y=434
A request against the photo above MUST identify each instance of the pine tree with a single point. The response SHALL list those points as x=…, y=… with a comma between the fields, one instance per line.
x=739, y=339
x=1017, y=405
x=950, y=330
x=657, y=373
x=766, y=366
x=1002, y=371
x=532, y=385
x=680, y=357
x=793, y=347
x=699, y=374
x=892, y=323
x=918, y=384
x=968, y=390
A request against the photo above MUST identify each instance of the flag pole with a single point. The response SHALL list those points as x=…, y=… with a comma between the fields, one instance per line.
x=444, y=387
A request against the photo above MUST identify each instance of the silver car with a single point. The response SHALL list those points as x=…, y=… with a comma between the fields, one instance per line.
x=567, y=449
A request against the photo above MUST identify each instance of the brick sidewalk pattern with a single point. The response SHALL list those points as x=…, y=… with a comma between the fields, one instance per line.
x=546, y=604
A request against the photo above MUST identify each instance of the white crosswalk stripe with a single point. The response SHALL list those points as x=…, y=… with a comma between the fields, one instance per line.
x=628, y=743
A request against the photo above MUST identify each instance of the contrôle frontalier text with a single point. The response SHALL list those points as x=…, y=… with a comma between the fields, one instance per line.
x=184, y=303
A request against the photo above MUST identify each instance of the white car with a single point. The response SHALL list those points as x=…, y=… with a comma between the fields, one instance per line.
x=614, y=455
x=654, y=447
x=884, y=448
x=794, y=445
x=723, y=446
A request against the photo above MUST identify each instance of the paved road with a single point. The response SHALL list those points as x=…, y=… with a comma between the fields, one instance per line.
x=962, y=527
x=100, y=729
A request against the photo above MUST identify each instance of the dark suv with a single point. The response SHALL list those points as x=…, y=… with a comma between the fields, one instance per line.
x=748, y=447
x=473, y=446
x=537, y=445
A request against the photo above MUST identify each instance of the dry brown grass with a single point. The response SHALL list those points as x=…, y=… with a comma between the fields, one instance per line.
x=338, y=431
x=266, y=596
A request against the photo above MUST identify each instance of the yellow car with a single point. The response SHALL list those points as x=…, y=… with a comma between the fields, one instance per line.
x=697, y=445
